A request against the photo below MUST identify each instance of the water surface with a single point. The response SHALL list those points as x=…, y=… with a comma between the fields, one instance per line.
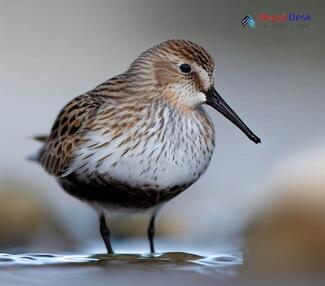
x=117, y=269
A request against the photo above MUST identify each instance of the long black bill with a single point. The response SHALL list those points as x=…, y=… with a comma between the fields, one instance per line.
x=215, y=100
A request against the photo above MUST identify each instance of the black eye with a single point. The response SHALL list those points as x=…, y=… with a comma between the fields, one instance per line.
x=185, y=68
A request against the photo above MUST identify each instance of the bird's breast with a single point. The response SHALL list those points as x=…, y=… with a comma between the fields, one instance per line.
x=167, y=151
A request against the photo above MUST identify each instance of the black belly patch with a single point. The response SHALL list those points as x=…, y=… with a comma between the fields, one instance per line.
x=100, y=191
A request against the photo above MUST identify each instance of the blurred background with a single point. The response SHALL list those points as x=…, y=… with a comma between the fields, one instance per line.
x=52, y=51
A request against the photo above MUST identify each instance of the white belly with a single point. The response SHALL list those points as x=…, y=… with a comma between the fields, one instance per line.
x=169, y=158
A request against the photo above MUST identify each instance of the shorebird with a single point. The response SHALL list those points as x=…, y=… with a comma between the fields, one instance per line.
x=141, y=138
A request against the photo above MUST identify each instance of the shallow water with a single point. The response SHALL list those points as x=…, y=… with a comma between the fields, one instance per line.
x=170, y=259
x=181, y=268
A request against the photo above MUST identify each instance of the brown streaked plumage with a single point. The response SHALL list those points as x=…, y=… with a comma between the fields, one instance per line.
x=140, y=138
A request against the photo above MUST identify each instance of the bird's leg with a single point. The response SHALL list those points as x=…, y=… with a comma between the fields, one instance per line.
x=104, y=231
x=151, y=232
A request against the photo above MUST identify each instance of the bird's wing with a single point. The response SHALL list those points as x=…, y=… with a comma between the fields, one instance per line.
x=67, y=132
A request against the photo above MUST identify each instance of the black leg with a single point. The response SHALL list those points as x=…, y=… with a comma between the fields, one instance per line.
x=104, y=231
x=151, y=233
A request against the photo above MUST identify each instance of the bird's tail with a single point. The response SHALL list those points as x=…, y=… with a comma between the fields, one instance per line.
x=39, y=138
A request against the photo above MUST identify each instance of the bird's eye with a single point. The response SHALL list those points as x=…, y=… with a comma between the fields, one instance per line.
x=185, y=68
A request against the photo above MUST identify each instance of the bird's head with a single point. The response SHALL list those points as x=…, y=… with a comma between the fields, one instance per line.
x=183, y=74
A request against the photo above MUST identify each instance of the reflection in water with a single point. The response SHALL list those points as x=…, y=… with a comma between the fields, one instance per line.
x=171, y=268
x=172, y=260
x=174, y=268
x=120, y=269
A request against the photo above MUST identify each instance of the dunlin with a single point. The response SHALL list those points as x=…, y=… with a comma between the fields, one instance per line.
x=139, y=139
